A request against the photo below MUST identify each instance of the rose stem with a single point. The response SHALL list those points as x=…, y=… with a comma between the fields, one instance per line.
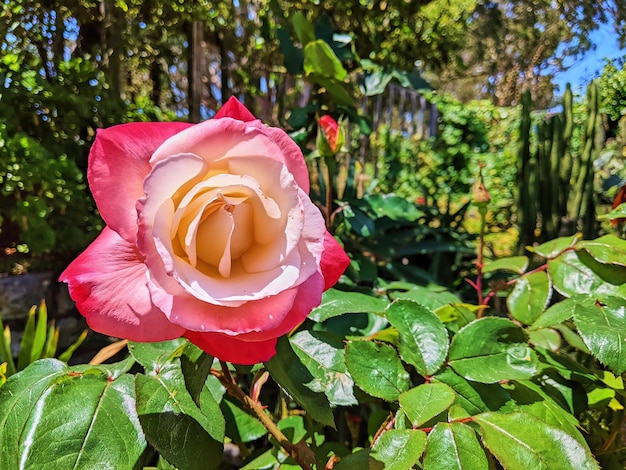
x=331, y=166
x=300, y=452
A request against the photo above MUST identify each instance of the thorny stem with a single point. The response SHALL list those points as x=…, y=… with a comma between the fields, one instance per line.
x=461, y=420
x=479, y=259
x=391, y=419
x=331, y=165
x=385, y=426
x=493, y=292
x=300, y=452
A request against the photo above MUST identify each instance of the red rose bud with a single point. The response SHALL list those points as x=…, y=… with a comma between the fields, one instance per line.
x=620, y=198
x=329, y=136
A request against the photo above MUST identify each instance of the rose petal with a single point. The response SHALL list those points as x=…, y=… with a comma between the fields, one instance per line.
x=160, y=186
x=292, y=155
x=229, y=138
x=233, y=108
x=118, y=163
x=334, y=261
x=156, y=213
x=108, y=282
x=231, y=349
x=254, y=321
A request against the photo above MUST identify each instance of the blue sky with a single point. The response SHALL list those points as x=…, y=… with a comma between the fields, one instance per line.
x=589, y=66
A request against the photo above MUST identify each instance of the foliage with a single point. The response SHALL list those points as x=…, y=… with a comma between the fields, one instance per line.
x=400, y=367
x=557, y=189
x=42, y=152
x=440, y=167
x=521, y=45
x=391, y=238
x=612, y=83
x=407, y=377
x=39, y=341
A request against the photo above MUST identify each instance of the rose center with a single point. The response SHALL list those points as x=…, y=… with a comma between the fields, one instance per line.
x=224, y=234
x=220, y=220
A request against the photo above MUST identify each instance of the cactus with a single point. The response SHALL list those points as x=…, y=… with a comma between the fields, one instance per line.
x=581, y=204
x=526, y=203
x=555, y=186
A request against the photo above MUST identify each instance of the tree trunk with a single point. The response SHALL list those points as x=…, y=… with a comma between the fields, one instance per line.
x=157, y=81
x=194, y=69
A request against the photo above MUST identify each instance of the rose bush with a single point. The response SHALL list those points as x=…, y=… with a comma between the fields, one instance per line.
x=210, y=235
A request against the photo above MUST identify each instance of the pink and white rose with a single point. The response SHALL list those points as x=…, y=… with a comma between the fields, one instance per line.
x=210, y=235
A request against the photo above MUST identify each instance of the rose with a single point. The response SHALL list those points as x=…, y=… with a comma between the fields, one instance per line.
x=329, y=136
x=210, y=235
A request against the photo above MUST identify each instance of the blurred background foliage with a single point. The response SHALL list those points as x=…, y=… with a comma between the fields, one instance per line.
x=425, y=90
x=428, y=94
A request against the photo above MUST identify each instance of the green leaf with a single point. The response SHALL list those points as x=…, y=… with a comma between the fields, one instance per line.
x=456, y=316
x=240, y=426
x=289, y=372
x=608, y=249
x=429, y=297
x=454, y=446
x=557, y=313
x=424, y=402
x=169, y=417
x=376, y=82
x=520, y=440
x=25, y=354
x=268, y=460
x=393, y=207
x=45, y=429
x=602, y=326
x=153, y=356
x=39, y=341
x=545, y=338
x=196, y=367
x=52, y=341
x=492, y=349
x=320, y=59
x=323, y=355
x=303, y=28
x=338, y=90
x=529, y=297
x=423, y=336
x=553, y=248
x=376, y=369
x=6, y=355
x=399, y=449
x=66, y=355
x=531, y=398
x=294, y=58
x=572, y=338
x=570, y=276
x=336, y=302
x=360, y=458
x=618, y=213
x=467, y=394
x=516, y=264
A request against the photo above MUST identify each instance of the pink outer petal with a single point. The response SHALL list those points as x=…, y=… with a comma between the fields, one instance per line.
x=231, y=349
x=233, y=108
x=254, y=321
x=118, y=163
x=293, y=156
x=334, y=261
x=230, y=138
x=108, y=283
x=252, y=348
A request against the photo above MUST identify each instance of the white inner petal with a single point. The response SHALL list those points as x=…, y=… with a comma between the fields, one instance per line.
x=221, y=218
